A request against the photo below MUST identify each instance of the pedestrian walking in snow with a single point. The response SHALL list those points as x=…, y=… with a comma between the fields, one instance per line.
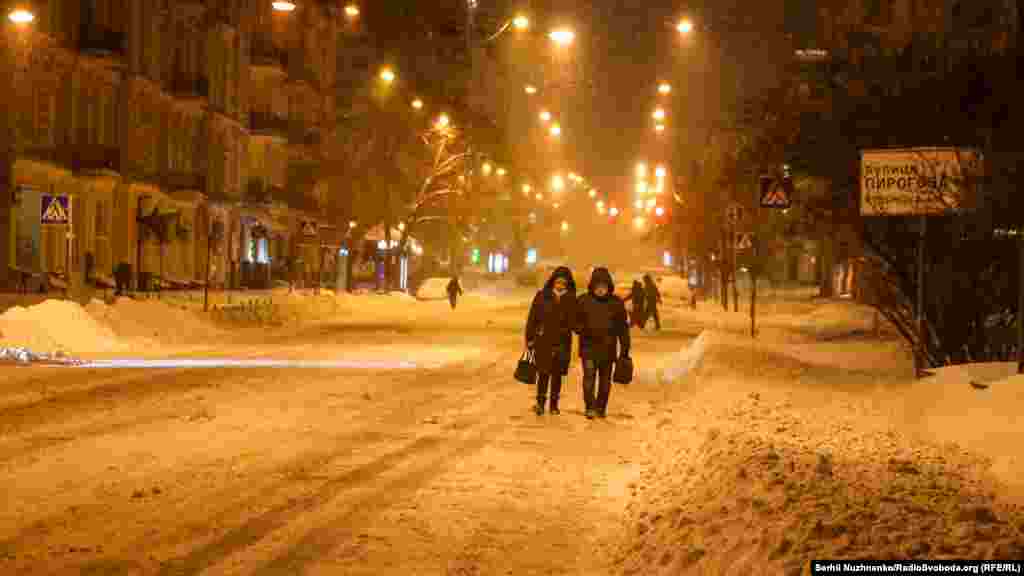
x=454, y=291
x=638, y=315
x=549, y=330
x=602, y=326
x=653, y=298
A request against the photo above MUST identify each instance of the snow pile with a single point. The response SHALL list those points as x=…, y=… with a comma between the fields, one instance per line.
x=152, y=322
x=22, y=355
x=673, y=287
x=57, y=325
x=685, y=362
x=434, y=289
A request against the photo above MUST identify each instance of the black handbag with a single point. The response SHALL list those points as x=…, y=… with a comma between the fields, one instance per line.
x=526, y=370
x=623, y=371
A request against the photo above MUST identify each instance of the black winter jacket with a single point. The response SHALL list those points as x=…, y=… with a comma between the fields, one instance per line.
x=601, y=322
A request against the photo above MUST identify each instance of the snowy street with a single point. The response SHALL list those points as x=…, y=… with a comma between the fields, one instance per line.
x=443, y=469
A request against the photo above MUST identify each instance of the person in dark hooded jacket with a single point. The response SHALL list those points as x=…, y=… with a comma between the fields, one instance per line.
x=454, y=291
x=549, y=334
x=653, y=299
x=638, y=316
x=602, y=326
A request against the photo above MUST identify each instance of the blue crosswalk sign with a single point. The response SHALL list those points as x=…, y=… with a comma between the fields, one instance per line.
x=54, y=210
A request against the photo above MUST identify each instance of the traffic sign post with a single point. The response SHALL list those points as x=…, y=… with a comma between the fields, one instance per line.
x=776, y=192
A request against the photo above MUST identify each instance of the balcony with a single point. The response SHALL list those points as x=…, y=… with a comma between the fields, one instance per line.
x=190, y=88
x=265, y=53
x=174, y=181
x=265, y=124
x=78, y=157
x=100, y=42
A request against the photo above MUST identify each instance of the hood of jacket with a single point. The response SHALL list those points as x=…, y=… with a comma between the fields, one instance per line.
x=601, y=275
x=649, y=282
x=560, y=272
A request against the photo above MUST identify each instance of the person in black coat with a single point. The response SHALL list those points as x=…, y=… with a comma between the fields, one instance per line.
x=549, y=334
x=454, y=291
x=601, y=324
x=653, y=299
x=638, y=316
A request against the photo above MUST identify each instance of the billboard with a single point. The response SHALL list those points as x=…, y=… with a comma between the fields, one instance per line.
x=917, y=181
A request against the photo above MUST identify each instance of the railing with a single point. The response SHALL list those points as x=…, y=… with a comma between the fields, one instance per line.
x=185, y=86
x=100, y=41
x=269, y=124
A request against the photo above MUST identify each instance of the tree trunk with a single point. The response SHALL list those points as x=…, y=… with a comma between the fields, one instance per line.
x=826, y=260
x=387, y=252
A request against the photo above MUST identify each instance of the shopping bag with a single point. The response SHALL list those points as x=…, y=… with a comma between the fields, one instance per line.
x=623, y=371
x=526, y=370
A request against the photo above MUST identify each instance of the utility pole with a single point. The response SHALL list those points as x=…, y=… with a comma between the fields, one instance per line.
x=468, y=162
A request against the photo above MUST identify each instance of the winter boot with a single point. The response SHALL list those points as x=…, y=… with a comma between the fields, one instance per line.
x=590, y=414
x=554, y=406
x=539, y=408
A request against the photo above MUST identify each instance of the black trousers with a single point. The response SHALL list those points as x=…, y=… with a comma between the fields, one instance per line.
x=555, y=380
x=653, y=313
x=599, y=373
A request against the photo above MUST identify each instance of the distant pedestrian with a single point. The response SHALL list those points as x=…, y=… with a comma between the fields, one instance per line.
x=603, y=329
x=454, y=291
x=653, y=298
x=549, y=334
x=638, y=315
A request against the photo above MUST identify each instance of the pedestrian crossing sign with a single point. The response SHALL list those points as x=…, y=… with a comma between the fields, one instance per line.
x=744, y=241
x=54, y=210
x=776, y=192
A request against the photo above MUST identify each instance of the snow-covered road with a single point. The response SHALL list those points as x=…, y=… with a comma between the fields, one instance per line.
x=361, y=469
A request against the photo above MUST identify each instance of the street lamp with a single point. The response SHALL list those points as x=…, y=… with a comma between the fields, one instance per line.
x=500, y=172
x=593, y=193
x=417, y=104
x=545, y=116
x=530, y=89
x=600, y=204
x=660, y=172
x=659, y=114
x=351, y=10
x=639, y=221
x=614, y=211
x=486, y=168
x=521, y=22
x=21, y=16
x=684, y=26
x=351, y=223
x=556, y=130
x=539, y=196
x=562, y=36
x=557, y=183
x=565, y=226
x=443, y=121
x=659, y=211
x=387, y=75
x=639, y=204
x=283, y=6
x=526, y=189
x=641, y=170
x=659, y=128
x=641, y=187
x=664, y=88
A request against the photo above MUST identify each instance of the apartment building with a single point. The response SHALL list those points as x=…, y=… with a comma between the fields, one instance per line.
x=140, y=127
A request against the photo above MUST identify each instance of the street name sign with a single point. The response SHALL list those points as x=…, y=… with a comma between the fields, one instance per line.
x=917, y=181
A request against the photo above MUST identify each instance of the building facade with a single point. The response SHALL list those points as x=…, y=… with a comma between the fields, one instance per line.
x=159, y=124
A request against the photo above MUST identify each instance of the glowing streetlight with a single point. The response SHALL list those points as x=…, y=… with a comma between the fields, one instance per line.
x=600, y=208
x=556, y=130
x=593, y=193
x=352, y=10
x=387, y=75
x=21, y=16
x=555, y=205
x=659, y=211
x=614, y=211
x=521, y=22
x=664, y=88
x=639, y=204
x=486, y=168
x=684, y=26
x=417, y=104
x=539, y=196
x=573, y=176
x=530, y=89
x=651, y=202
x=283, y=6
x=527, y=188
x=351, y=223
x=545, y=116
x=443, y=121
x=562, y=36
x=401, y=225
x=659, y=128
x=600, y=204
x=557, y=183
x=565, y=226
x=641, y=187
x=641, y=170
x=660, y=172
x=639, y=221
x=500, y=172
x=659, y=114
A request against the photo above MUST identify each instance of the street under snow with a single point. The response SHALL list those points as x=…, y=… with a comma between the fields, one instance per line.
x=394, y=441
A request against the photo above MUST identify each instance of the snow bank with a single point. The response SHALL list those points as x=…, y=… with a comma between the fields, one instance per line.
x=673, y=287
x=152, y=322
x=57, y=325
x=674, y=367
x=434, y=289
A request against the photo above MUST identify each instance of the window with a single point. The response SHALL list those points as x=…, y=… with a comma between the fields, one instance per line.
x=101, y=246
